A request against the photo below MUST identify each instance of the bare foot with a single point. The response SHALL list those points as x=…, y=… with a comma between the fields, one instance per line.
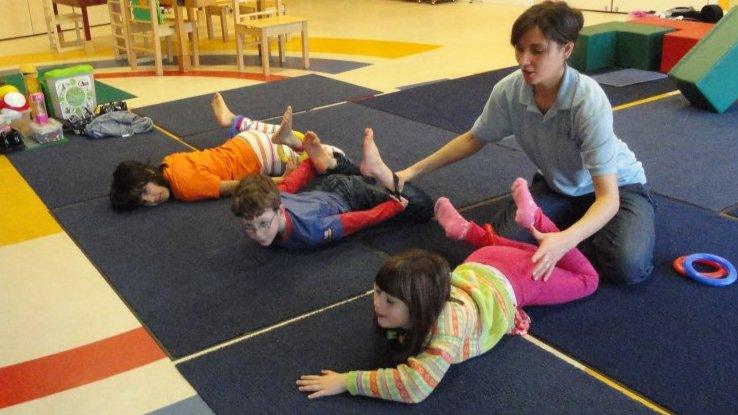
x=284, y=134
x=528, y=211
x=372, y=164
x=223, y=115
x=322, y=159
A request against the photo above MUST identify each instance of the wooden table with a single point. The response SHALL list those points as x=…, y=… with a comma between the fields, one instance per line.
x=83, y=5
x=191, y=6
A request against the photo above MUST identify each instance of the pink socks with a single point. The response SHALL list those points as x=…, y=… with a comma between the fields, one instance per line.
x=528, y=211
x=450, y=220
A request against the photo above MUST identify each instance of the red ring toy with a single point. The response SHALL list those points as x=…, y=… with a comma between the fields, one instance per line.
x=719, y=272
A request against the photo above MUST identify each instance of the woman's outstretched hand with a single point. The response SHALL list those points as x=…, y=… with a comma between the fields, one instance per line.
x=326, y=384
x=551, y=247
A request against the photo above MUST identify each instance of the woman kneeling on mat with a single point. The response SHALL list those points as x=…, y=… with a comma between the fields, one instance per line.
x=441, y=317
x=589, y=182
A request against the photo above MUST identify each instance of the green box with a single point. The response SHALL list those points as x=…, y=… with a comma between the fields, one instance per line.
x=639, y=46
x=706, y=75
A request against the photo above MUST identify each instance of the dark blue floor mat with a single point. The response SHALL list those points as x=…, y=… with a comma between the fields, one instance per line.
x=688, y=153
x=82, y=169
x=193, y=278
x=403, y=142
x=455, y=104
x=671, y=339
x=191, y=116
x=258, y=375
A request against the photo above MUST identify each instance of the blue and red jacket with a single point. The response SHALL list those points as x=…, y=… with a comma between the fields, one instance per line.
x=317, y=217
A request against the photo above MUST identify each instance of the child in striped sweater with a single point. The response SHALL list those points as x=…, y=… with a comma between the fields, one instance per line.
x=441, y=317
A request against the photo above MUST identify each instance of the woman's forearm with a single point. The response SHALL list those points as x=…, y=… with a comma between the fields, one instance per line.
x=457, y=149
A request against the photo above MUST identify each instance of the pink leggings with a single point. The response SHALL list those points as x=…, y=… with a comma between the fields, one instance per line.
x=573, y=278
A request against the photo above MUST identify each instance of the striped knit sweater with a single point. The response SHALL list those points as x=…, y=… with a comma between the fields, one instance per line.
x=463, y=330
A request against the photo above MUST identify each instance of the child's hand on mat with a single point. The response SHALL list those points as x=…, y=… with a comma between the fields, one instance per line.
x=329, y=383
x=551, y=247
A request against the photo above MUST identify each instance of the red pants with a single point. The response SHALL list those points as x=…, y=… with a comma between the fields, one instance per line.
x=573, y=278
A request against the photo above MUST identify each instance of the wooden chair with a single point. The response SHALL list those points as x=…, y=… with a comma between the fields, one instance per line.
x=119, y=29
x=262, y=25
x=222, y=9
x=53, y=27
x=146, y=24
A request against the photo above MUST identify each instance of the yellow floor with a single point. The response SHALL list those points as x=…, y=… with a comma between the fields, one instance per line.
x=62, y=301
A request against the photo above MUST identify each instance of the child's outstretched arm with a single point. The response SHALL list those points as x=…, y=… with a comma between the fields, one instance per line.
x=409, y=382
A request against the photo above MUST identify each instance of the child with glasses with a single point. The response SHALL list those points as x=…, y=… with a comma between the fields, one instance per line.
x=336, y=199
x=255, y=148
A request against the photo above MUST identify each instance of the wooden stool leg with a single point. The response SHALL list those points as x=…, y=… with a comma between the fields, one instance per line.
x=305, y=46
x=281, y=49
x=224, y=22
x=195, y=46
x=239, y=51
x=264, y=40
x=157, y=57
x=209, y=22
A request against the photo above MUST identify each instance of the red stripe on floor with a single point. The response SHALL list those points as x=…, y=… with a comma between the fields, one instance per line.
x=211, y=74
x=76, y=367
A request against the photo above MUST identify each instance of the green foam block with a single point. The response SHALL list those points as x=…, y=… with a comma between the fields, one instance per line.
x=706, y=75
x=628, y=45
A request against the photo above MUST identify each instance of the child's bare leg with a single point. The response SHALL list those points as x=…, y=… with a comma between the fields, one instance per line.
x=284, y=134
x=322, y=159
x=222, y=113
x=372, y=164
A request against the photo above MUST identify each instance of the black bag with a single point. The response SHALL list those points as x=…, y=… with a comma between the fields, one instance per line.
x=11, y=140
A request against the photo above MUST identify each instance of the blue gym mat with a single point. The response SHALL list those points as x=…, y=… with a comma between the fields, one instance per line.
x=403, y=142
x=455, y=104
x=671, y=339
x=258, y=375
x=732, y=212
x=688, y=153
x=82, y=169
x=193, y=278
x=193, y=115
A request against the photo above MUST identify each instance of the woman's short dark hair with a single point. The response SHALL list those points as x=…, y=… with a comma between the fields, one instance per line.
x=129, y=180
x=422, y=281
x=555, y=19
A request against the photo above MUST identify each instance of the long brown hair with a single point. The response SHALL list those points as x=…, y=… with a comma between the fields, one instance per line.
x=421, y=280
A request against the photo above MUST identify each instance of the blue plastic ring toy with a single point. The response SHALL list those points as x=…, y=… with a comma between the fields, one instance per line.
x=715, y=282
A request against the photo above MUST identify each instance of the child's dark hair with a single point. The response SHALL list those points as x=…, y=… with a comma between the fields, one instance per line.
x=254, y=195
x=555, y=19
x=422, y=281
x=129, y=180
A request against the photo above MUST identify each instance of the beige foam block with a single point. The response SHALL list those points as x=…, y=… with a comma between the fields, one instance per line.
x=53, y=299
x=136, y=391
